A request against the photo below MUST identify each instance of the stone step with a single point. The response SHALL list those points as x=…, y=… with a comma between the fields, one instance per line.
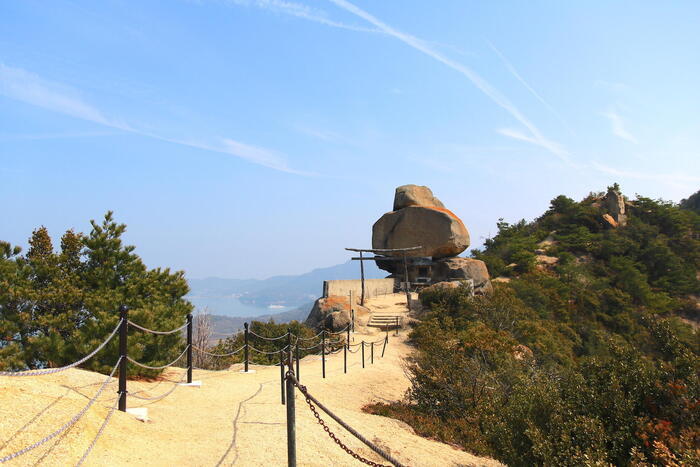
x=382, y=325
x=384, y=320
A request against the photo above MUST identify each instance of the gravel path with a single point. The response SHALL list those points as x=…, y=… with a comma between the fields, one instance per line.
x=233, y=419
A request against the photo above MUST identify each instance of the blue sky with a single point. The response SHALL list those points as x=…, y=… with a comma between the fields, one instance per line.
x=247, y=138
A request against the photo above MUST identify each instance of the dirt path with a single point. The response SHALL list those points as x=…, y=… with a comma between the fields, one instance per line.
x=233, y=419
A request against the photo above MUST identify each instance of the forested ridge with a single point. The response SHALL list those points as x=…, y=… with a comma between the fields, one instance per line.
x=586, y=352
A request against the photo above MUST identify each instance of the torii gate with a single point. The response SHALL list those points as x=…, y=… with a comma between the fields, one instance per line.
x=380, y=254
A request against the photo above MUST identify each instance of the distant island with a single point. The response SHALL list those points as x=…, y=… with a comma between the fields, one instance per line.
x=256, y=297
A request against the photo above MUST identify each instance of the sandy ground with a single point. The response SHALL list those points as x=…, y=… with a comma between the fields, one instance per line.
x=233, y=419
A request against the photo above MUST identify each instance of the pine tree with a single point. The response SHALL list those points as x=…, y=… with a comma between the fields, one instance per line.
x=57, y=307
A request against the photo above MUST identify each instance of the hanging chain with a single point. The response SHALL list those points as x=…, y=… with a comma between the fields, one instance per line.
x=334, y=437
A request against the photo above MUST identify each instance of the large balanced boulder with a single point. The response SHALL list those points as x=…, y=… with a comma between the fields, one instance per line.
x=461, y=269
x=415, y=195
x=438, y=231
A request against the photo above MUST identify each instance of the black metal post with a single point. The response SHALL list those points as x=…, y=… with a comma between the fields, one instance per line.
x=362, y=280
x=348, y=333
x=371, y=354
x=282, y=374
x=345, y=357
x=363, y=354
x=289, y=349
x=352, y=315
x=245, y=337
x=396, y=333
x=189, y=347
x=406, y=283
x=123, y=331
x=291, y=422
x=323, y=352
x=386, y=341
x=297, y=355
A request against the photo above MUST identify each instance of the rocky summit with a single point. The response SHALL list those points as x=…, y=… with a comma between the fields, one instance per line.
x=420, y=219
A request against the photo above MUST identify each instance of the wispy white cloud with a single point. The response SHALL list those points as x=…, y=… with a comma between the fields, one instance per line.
x=300, y=11
x=30, y=88
x=535, y=135
x=509, y=66
x=551, y=146
x=320, y=16
x=618, y=126
x=654, y=176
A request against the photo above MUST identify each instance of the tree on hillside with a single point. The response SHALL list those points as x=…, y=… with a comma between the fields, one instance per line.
x=58, y=306
x=692, y=202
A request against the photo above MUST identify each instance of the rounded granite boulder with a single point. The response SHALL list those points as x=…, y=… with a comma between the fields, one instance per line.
x=438, y=231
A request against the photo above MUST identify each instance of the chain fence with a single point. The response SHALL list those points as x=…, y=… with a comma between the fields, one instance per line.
x=161, y=333
x=99, y=433
x=268, y=338
x=164, y=395
x=48, y=371
x=162, y=367
x=219, y=354
x=313, y=403
x=66, y=425
x=269, y=353
x=328, y=347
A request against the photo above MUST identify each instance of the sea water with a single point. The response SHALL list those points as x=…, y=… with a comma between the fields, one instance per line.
x=232, y=306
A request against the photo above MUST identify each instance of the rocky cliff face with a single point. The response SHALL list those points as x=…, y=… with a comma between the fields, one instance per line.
x=615, y=203
x=421, y=219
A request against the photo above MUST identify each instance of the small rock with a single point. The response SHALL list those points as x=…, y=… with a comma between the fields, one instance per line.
x=415, y=195
x=456, y=269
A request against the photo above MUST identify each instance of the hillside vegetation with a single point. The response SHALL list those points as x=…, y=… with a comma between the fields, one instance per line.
x=582, y=356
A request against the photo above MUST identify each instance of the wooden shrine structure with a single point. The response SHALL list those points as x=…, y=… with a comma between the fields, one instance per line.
x=384, y=254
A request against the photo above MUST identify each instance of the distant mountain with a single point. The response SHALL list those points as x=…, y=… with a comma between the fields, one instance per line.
x=252, y=297
x=225, y=326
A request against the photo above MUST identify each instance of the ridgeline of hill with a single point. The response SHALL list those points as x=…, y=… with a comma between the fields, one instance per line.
x=586, y=352
x=692, y=202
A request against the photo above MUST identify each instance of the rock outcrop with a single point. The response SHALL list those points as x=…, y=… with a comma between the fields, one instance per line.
x=420, y=219
x=333, y=313
x=461, y=269
x=615, y=204
x=440, y=233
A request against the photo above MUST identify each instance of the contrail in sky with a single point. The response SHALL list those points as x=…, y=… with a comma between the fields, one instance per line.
x=535, y=136
x=517, y=76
